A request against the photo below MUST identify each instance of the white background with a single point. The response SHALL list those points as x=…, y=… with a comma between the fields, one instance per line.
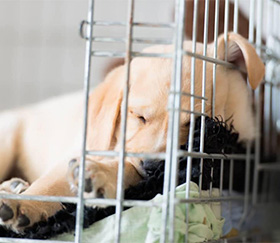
x=41, y=53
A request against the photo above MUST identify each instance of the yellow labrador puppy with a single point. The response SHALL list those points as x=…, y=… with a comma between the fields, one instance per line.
x=40, y=140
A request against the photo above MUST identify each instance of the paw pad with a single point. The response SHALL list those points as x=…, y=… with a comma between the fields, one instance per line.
x=6, y=213
x=23, y=220
x=88, y=185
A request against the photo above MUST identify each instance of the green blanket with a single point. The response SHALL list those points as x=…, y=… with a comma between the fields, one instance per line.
x=141, y=224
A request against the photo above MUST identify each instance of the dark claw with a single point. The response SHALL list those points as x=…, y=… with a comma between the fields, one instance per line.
x=76, y=172
x=72, y=162
x=23, y=220
x=88, y=185
x=14, y=184
x=6, y=212
x=100, y=193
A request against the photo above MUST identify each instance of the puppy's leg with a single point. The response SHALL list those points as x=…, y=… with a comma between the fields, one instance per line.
x=19, y=214
x=9, y=141
x=101, y=177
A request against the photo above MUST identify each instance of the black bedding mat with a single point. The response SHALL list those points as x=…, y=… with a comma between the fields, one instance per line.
x=220, y=138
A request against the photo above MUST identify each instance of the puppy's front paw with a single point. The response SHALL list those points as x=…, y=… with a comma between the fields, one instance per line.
x=19, y=214
x=100, y=179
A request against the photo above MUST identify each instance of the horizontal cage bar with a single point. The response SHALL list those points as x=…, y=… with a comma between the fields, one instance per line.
x=189, y=95
x=211, y=199
x=123, y=24
x=11, y=240
x=162, y=155
x=111, y=202
x=40, y=198
x=134, y=40
x=166, y=55
x=139, y=24
x=269, y=166
x=191, y=112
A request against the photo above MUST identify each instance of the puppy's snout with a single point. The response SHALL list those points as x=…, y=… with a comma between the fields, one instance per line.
x=150, y=166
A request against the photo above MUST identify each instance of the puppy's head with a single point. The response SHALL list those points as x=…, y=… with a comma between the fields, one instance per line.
x=150, y=79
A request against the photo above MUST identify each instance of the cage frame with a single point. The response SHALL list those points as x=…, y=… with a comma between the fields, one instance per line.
x=172, y=150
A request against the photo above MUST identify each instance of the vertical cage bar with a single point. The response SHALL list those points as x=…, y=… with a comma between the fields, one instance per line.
x=274, y=110
x=270, y=19
x=252, y=21
x=231, y=168
x=192, y=116
x=168, y=159
x=216, y=31
x=251, y=40
x=247, y=184
x=258, y=104
x=211, y=176
x=263, y=198
x=177, y=80
x=269, y=135
x=268, y=118
x=259, y=25
x=120, y=185
x=80, y=204
x=221, y=176
x=169, y=142
x=277, y=80
x=235, y=16
x=277, y=21
x=202, y=128
x=226, y=27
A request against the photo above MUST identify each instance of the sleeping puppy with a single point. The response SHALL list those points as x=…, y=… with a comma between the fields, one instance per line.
x=42, y=139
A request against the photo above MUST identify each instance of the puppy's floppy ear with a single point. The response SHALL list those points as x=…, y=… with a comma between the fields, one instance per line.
x=104, y=109
x=241, y=53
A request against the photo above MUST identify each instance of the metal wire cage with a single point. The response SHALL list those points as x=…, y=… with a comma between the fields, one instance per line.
x=266, y=99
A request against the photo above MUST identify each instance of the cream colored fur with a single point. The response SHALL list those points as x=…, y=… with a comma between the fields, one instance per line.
x=41, y=139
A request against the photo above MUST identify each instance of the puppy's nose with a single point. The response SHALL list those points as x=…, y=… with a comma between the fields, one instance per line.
x=151, y=165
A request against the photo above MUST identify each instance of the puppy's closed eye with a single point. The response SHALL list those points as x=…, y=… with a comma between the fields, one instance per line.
x=142, y=119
